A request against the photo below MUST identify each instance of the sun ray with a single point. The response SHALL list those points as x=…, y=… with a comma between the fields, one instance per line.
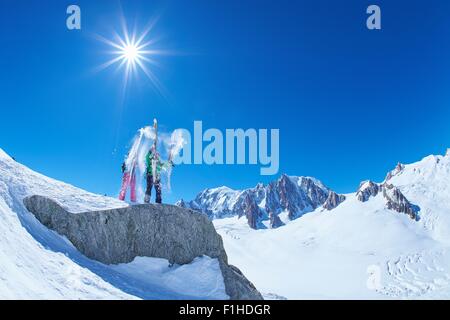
x=151, y=61
x=107, y=41
x=123, y=23
x=108, y=64
x=155, y=81
x=147, y=29
x=119, y=39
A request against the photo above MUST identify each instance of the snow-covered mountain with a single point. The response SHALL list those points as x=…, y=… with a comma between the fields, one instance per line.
x=386, y=240
x=36, y=263
x=264, y=205
x=288, y=198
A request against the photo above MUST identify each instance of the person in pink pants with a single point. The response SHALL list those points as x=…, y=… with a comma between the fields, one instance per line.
x=128, y=181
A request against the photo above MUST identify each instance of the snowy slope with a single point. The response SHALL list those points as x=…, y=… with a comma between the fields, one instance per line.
x=427, y=183
x=36, y=263
x=341, y=253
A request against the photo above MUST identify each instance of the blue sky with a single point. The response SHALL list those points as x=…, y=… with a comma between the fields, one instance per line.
x=349, y=102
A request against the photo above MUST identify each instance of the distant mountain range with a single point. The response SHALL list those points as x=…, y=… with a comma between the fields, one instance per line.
x=290, y=197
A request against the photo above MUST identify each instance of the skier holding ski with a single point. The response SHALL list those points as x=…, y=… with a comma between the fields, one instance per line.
x=154, y=167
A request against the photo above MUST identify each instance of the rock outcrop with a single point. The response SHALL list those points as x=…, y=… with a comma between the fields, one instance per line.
x=333, y=200
x=366, y=190
x=152, y=230
x=398, y=168
x=275, y=221
x=252, y=212
x=395, y=200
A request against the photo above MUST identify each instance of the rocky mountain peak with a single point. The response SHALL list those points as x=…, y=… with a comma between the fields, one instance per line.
x=395, y=200
x=333, y=200
x=297, y=195
x=366, y=190
x=181, y=203
x=260, y=186
x=398, y=168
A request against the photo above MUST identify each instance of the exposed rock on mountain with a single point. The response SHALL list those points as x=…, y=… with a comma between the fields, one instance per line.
x=253, y=213
x=366, y=190
x=180, y=203
x=275, y=221
x=295, y=195
x=333, y=200
x=163, y=231
x=399, y=168
x=395, y=200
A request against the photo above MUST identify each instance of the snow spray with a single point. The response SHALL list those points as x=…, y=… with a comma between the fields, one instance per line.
x=176, y=143
x=135, y=160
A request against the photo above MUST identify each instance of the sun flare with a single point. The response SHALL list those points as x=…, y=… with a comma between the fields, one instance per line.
x=131, y=53
x=134, y=53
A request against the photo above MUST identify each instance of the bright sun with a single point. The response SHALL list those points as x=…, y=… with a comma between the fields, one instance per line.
x=131, y=53
x=134, y=53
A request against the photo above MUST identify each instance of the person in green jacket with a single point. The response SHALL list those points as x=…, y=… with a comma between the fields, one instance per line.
x=153, y=172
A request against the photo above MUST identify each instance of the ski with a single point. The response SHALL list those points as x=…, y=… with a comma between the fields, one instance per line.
x=155, y=128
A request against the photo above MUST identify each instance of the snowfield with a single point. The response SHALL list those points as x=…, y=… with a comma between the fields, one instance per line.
x=359, y=250
x=36, y=263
